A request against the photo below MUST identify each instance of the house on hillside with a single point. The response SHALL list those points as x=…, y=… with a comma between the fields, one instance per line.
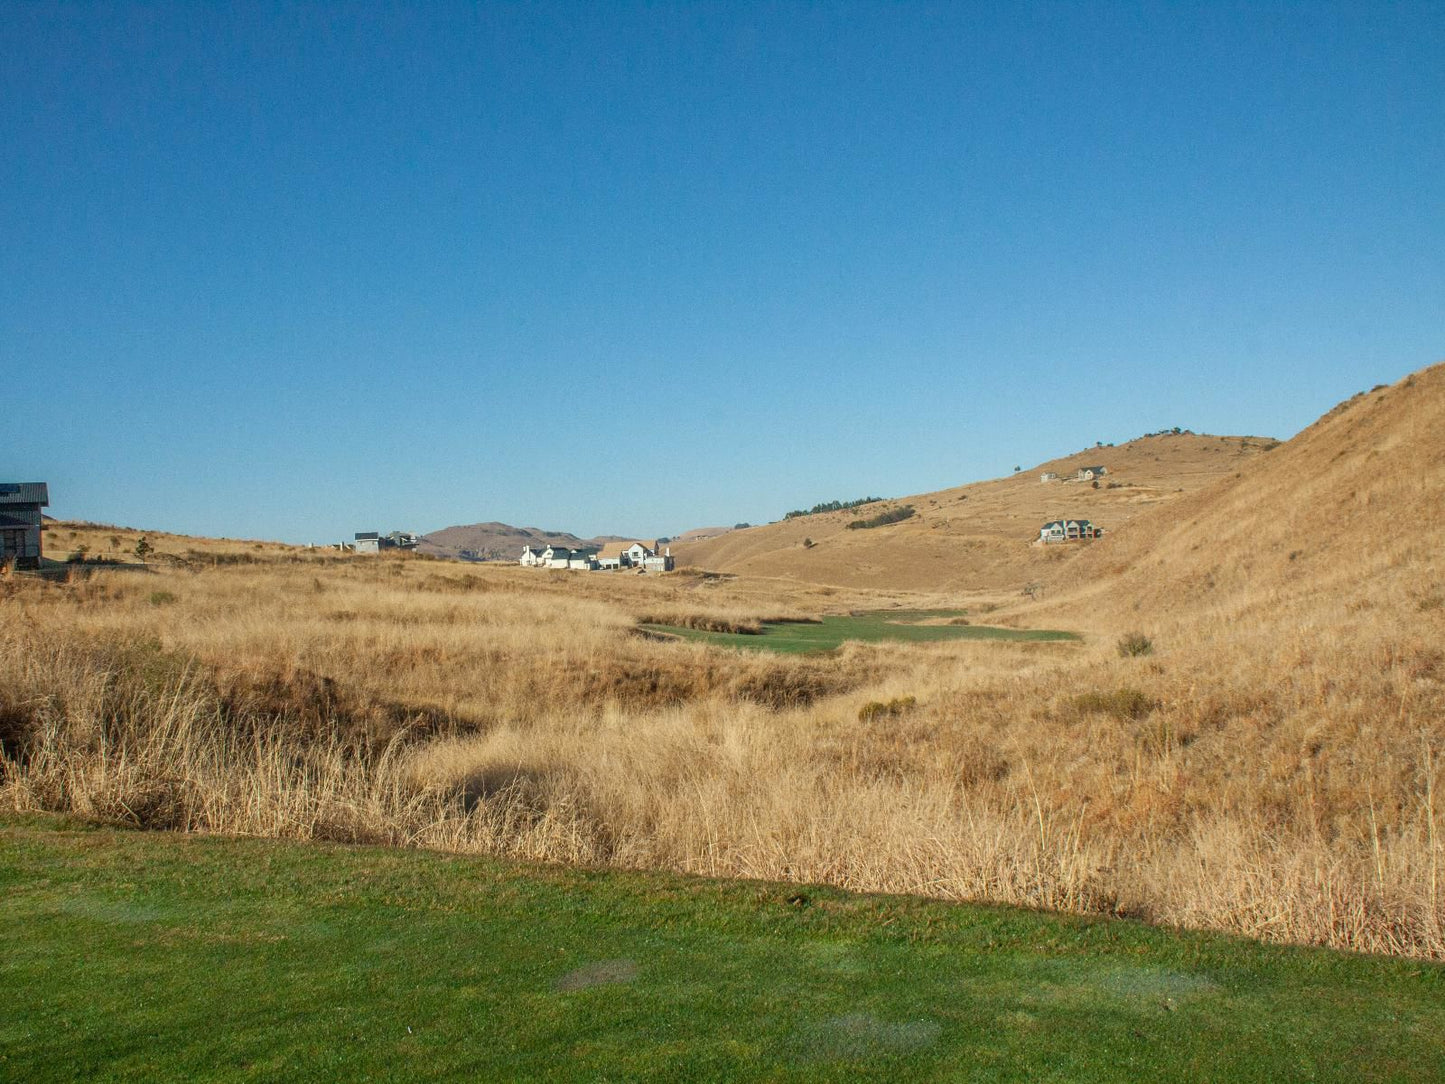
x=635, y=554
x=638, y=552
x=610, y=555
x=1088, y=474
x=614, y=555
x=1049, y=476
x=556, y=557
x=21, y=522
x=659, y=562
x=375, y=541
x=1068, y=530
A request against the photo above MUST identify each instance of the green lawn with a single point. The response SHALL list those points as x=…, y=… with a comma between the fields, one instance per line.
x=135, y=956
x=871, y=626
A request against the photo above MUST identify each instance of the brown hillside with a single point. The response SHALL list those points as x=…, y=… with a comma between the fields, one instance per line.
x=979, y=536
x=1348, y=512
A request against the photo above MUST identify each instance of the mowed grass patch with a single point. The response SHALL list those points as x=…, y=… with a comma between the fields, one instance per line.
x=147, y=956
x=872, y=626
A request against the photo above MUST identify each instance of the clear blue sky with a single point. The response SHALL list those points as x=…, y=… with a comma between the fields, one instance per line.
x=292, y=271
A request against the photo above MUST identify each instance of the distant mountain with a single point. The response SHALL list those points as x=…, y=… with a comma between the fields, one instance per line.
x=500, y=541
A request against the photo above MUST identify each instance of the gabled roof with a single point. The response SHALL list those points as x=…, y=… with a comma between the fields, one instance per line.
x=612, y=550
x=24, y=493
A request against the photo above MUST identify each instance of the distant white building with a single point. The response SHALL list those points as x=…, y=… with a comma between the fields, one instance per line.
x=635, y=554
x=1068, y=530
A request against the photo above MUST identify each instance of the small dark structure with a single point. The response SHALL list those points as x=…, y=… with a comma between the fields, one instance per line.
x=20, y=522
x=375, y=542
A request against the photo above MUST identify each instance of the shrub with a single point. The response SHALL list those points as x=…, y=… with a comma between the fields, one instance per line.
x=1125, y=703
x=882, y=519
x=161, y=598
x=1134, y=644
x=830, y=506
x=891, y=709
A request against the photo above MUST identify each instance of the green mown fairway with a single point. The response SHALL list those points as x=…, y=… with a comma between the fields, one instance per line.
x=134, y=956
x=871, y=626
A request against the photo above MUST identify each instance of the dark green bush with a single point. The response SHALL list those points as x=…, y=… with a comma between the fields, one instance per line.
x=1134, y=644
x=882, y=519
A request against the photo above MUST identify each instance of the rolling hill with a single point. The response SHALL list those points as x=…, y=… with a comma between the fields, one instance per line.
x=981, y=535
x=1346, y=513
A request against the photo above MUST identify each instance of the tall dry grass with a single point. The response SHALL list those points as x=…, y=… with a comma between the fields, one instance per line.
x=1280, y=779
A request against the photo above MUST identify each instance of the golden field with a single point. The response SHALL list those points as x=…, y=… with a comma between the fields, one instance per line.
x=1272, y=766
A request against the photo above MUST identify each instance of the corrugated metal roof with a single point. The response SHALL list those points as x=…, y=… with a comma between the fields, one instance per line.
x=24, y=493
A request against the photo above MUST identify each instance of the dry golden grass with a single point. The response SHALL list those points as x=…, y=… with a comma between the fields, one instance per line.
x=978, y=536
x=1272, y=767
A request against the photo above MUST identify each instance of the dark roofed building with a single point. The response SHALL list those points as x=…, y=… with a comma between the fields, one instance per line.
x=20, y=522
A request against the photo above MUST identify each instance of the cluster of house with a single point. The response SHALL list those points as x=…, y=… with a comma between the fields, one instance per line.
x=647, y=557
x=20, y=522
x=1083, y=474
x=375, y=542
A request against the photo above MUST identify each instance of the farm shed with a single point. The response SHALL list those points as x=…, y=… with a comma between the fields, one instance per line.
x=20, y=522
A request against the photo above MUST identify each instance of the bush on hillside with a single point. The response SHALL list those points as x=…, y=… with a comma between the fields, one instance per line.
x=882, y=519
x=1134, y=644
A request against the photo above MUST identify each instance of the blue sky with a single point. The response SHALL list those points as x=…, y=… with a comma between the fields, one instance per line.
x=292, y=271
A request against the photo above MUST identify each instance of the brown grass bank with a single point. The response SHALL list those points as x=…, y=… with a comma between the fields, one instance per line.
x=1280, y=784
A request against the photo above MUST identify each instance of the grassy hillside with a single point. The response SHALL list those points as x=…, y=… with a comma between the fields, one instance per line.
x=978, y=536
x=1348, y=512
x=131, y=956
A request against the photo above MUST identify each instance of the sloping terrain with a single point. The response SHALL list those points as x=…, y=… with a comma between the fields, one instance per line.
x=499, y=541
x=1347, y=515
x=981, y=535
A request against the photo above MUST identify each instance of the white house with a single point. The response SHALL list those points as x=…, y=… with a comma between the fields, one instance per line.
x=1065, y=530
x=1088, y=474
x=530, y=558
x=659, y=562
